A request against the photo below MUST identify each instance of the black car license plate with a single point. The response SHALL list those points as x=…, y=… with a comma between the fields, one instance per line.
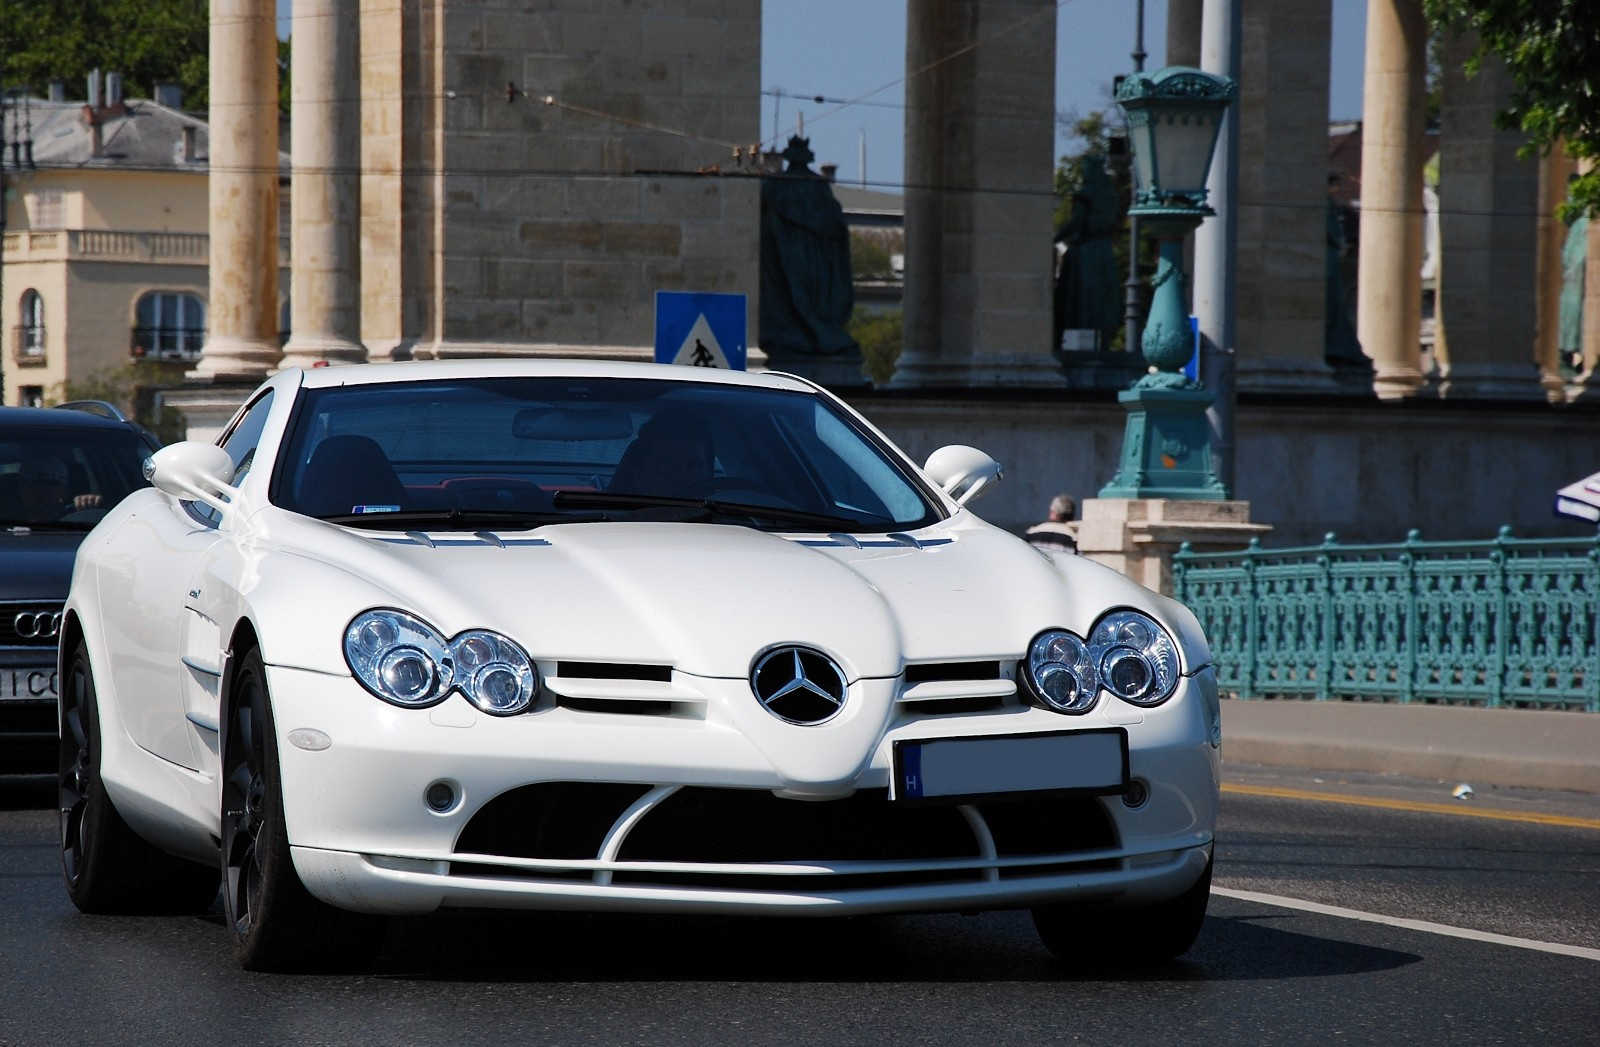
x=28, y=683
x=951, y=770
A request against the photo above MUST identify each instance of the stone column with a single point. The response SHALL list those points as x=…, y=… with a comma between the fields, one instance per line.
x=1283, y=197
x=980, y=130
x=1590, y=381
x=1554, y=169
x=1389, y=309
x=325, y=194
x=242, y=338
x=1487, y=200
x=1184, y=18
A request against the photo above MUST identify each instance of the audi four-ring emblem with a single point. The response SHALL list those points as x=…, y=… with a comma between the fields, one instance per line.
x=37, y=625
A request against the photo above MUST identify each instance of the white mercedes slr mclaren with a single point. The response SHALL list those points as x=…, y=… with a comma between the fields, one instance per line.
x=569, y=635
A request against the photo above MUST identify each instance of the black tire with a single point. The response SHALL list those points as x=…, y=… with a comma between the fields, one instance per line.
x=276, y=924
x=108, y=868
x=1105, y=935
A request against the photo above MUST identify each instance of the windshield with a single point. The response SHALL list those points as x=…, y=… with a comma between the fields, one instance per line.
x=63, y=477
x=476, y=453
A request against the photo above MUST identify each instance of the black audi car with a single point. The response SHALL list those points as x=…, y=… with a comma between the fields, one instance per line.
x=61, y=469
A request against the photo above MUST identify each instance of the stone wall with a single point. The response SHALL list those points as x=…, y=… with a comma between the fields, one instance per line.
x=565, y=143
x=1365, y=470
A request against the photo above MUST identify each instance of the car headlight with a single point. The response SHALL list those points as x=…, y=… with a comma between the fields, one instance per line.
x=403, y=660
x=1136, y=659
x=1127, y=653
x=1061, y=672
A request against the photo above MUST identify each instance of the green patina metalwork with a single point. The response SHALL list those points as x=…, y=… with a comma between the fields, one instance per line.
x=1504, y=622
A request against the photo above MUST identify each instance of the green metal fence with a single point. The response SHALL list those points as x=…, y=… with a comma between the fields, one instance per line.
x=1510, y=621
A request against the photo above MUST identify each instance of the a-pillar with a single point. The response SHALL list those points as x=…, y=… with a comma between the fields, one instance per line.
x=1282, y=269
x=1389, y=303
x=980, y=131
x=325, y=144
x=242, y=336
x=1488, y=232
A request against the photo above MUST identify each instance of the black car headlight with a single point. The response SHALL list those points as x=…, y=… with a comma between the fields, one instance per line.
x=1127, y=653
x=405, y=661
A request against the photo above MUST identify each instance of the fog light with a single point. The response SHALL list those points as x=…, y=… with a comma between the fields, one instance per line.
x=441, y=797
x=1136, y=796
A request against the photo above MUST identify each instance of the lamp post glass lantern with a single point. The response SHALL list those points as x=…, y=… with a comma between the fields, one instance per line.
x=1174, y=116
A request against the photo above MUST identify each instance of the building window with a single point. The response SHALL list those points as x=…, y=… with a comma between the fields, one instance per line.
x=169, y=326
x=45, y=210
x=30, y=396
x=29, y=338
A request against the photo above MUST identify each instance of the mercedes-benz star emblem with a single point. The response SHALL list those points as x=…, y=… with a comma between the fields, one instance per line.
x=798, y=685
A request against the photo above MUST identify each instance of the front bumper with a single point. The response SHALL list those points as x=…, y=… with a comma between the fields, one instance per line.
x=725, y=838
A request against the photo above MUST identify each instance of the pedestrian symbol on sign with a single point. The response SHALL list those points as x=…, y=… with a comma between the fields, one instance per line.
x=695, y=329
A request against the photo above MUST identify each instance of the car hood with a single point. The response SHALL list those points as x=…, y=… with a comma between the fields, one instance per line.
x=708, y=599
x=36, y=565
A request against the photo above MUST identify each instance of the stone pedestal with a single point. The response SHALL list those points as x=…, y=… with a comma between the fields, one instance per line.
x=1138, y=536
x=1166, y=446
x=206, y=407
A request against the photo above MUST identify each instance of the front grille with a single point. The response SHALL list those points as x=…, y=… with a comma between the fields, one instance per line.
x=32, y=624
x=732, y=827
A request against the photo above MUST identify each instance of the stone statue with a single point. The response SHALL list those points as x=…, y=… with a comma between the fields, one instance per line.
x=1341, y=350
x=807, y=292
x=1088, y=290
x=1574, y=257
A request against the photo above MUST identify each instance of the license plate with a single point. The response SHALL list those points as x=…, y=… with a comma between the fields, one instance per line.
x=25, y=684
x=951, y=770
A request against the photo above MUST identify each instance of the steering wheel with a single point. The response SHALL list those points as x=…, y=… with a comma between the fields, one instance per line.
x=72, y=514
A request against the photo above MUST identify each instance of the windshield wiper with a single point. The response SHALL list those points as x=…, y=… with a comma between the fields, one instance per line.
x=459, y=519
x=821, y=521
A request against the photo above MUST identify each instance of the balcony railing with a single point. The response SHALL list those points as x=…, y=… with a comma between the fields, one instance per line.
x=1505, y=622
x=168, y=343
x=27, y=344
x=107, y=245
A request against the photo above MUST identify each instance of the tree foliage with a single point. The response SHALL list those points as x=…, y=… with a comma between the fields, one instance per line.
x=147, y=41
x=1552, y=49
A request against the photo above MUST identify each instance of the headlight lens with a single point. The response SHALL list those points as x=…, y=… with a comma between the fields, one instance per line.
x=1136, y=659
x=494, y=673
x=1061, y=672
x=403, y=660
x=1128, y=654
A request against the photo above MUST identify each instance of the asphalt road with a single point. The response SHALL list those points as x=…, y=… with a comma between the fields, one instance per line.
x=1494, y=890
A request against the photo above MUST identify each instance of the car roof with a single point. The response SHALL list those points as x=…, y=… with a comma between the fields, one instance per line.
x=53, y=417
x=446, y=370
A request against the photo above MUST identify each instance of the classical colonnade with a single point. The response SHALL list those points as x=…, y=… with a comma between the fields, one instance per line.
x=415, y=255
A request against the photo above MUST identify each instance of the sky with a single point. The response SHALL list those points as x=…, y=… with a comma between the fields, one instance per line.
x=852, y=53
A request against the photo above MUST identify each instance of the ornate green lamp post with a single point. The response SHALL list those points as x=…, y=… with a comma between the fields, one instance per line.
x=1174, y=116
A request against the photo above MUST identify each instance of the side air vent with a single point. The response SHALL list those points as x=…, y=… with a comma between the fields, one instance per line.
x=951, y=688
x=614, y=671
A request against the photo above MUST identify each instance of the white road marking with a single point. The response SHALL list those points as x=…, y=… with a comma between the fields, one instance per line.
x=1410, y=925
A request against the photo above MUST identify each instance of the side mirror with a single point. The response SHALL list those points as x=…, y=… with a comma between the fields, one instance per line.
x=194, y=471
x=963, y=472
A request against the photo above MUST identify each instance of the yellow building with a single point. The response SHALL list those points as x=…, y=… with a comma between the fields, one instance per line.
x=106, y=249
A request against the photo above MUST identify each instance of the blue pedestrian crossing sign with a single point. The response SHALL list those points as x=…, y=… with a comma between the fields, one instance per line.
x=700, y=329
